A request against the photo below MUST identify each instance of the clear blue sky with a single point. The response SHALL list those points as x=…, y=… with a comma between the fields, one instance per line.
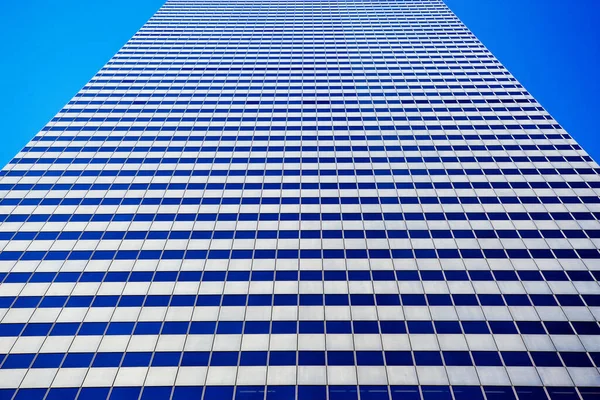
x=50, y=49
x=553, y=48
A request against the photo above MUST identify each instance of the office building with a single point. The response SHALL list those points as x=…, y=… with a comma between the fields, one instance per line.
x=300, y=199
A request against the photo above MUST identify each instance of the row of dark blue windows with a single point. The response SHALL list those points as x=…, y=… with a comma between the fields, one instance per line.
x=313, y=172
x=420, y=33
x=297, y=119
x=305, y=275
x=463, y=55
x=455, y=90
x=269, y=254
x=466, y=51
x=451, y=83
x=235, y=94
x=326, y=111
x=496, y=76
x=409, y=105
x=296, y=172
x=421, y=23
x=304, y=119
x=192, y=161
x=423, y=20
x=292, y=358
x=304, y=392
x=293, y=160
x=460, y=65
x=331, y=85
x=419, y=37
x=429, y=54
x=215, y=201
x=281, y=149
x=305, y=137
x=321, y=69
x=298, y=84
x=379, y=118
x=419, y=87
x=320, y=109
x=296, y=102
x=465, y=61
x=301, y=327
x=306, y=160
x=305, y=234
x=315, y=138
x=268, y=96
x=473, y=62
x=189, y=78
x=315, y=50
x=419, y=44
x=421, y=30
x=540, y=300
x=366, y=216
x=424, y=63
x=113, y=201
x=463, y=58
x=311, y=128
x=291, y=185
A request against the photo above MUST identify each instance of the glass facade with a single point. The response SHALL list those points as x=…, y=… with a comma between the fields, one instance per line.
x=300, y=199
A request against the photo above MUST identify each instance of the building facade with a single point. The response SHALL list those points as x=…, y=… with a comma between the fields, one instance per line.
x=310, y=199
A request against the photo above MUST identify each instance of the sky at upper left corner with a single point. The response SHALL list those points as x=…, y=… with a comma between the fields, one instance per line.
x=49, y=50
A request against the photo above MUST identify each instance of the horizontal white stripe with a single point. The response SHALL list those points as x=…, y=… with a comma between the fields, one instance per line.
x=293, y=342
x=293, y=313
x=296, y=287
x=302, y=375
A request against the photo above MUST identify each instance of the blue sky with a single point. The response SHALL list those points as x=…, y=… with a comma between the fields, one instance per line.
x=553, y=48
x=52, y=48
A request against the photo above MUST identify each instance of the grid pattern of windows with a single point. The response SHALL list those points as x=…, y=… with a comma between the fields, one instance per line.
x=301, y=199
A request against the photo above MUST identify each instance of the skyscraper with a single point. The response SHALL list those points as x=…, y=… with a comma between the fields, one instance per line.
x=308, y=199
